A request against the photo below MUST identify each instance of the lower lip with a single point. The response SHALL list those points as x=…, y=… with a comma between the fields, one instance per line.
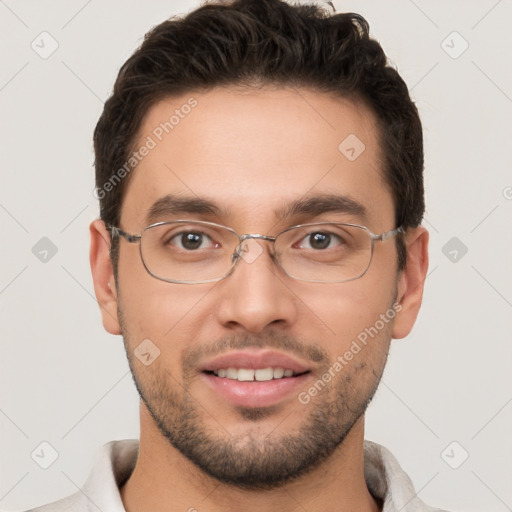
x=255, y=393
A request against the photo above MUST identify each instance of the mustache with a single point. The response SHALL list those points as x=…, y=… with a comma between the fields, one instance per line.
x=278, y=341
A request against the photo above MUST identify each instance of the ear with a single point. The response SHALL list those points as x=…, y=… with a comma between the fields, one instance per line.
x=411, y=281
x=103, y=276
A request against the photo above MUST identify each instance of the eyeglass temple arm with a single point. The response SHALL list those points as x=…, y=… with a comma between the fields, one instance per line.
x=390, y=234
x=117, y=232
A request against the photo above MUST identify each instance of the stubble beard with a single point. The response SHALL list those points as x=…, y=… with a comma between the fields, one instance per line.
x=250, y=461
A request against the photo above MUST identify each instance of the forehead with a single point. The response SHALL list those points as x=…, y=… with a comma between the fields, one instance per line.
x=252, y=152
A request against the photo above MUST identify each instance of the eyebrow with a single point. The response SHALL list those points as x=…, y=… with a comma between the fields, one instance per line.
x=171, y=205
x=324, y=203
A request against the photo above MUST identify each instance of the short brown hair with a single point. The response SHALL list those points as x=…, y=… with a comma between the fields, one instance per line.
x=243, y=42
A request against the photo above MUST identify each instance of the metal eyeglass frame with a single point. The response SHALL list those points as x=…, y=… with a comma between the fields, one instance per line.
x=136, y=238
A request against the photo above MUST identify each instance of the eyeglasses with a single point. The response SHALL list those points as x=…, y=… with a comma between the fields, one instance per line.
x=190, y=251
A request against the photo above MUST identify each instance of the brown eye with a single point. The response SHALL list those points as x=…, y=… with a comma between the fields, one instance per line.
x=320, y=240
x=191, y=240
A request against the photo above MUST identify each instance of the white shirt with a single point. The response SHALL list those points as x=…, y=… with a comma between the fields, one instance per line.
x=116, y=460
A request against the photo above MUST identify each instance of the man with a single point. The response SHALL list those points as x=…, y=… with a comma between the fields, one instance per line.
x=259, y=170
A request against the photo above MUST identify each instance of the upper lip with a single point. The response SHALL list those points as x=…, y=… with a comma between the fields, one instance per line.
x=255, y=360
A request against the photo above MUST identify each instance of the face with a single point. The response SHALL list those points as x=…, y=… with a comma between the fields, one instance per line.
x=252, y=155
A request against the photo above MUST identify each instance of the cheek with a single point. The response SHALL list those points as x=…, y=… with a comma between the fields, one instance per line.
x=347, y=306
x=167, y=314
x=350, y=316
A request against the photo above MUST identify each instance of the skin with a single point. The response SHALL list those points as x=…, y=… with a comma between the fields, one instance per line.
x=251, y=152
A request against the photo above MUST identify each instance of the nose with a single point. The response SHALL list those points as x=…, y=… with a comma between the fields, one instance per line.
x=257, y=293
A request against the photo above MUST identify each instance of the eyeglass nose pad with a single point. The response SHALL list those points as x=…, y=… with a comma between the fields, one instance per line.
x=239, y=250
x=236, y=254
x=248, y=250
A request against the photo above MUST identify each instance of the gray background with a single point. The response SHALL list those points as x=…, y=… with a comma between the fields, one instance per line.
x=65, y=381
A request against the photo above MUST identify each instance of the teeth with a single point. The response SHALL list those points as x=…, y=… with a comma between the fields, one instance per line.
x=232, y=373
x=278, y=373
x=245, y=374
x=249, y=374
x=264, y=374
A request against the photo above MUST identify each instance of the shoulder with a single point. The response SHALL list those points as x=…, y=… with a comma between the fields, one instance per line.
x=387, y=481
x=113, y=465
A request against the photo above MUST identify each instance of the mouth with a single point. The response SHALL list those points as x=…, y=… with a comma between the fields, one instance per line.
x=255, y=379
x=255, y=374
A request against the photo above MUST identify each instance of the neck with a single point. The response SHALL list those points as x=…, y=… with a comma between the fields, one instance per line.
x=164, y=480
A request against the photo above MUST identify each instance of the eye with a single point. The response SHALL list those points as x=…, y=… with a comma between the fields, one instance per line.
x=320, y=240
x=192, y=240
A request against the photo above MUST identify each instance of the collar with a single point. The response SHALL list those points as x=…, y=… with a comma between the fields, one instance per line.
x=115, y=462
